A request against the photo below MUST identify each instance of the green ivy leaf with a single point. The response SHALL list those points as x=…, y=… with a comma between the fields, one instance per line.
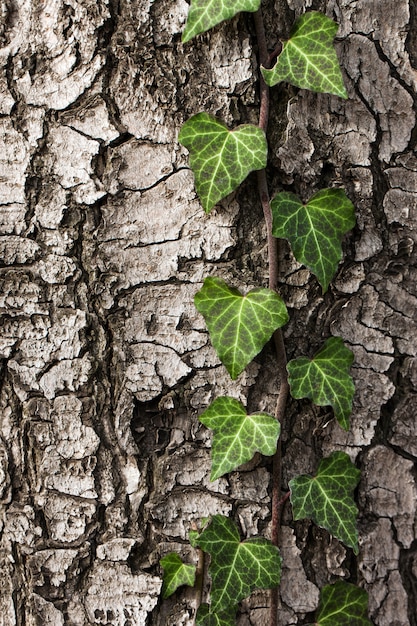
x=219, y=158
x=236, y=568
x=176, y=574
x=205, y=617
x=315, y=229
x=308, y=59
x=239, y=326
x=327, y=498
x=325, y=379
x=343, y=604
x=204, y=14
x=237, y=436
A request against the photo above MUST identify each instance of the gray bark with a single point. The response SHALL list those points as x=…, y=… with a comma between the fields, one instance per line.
x=106, y=364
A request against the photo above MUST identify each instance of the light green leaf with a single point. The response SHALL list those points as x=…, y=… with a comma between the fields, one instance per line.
x=219, y=158
x=343, y=604
x=325, y=379
x=176, y=574
x=204, y=14
x=315, y=230
x=308, y=59
x=239, y=326
x=205, y=617
x=327, y=498
x=237, y=436
x=236, y=568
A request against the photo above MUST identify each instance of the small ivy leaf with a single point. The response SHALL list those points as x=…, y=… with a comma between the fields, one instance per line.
x=205, y=617
x=239, y=326
x=315, y=230
x=325, y=379
x=236, y=568
x=237, y=436
x=176, y=574
x=204, y=14
x=343, y=604
x=193, y=538
x=221, y=158
x=327, y=498
x=308, y=59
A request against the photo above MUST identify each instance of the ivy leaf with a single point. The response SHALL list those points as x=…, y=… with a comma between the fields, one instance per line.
x=308, y=59
x=239, y=326
x=176, y=574
x=237, y=436
x=205, y=617
x=204, y=14
x=325, y=379
x=343, y=604
x=236, y=567
x=315, y=229
x=219, y=158
x=327, y=498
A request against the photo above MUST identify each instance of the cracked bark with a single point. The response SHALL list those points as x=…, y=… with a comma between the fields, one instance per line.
x=105, y=362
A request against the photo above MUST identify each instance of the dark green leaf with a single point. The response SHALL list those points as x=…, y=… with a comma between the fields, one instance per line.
x=315, y=230
x=205, y=617
x=237, y=436
x=236, y=567
x=219, y=158
x=204, y=14
x=239, y=326
x=325, y=379
x=343, y=604
x=176, y=574
x=327, y=498
x=308, y=59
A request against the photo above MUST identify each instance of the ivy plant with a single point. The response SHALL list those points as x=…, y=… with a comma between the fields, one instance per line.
x=314, y=229
x=237, y=435
x=240, y=326
x=327, y=497
x=308, y=59
x=237, y=567
x=176, y=574
x=221, y=159
x=325, y=379
x=343, y=604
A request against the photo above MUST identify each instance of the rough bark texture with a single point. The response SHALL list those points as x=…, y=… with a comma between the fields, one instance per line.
x=106, y=363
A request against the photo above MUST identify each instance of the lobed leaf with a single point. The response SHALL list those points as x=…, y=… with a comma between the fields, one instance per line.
x=176, y=574
x=237, y=436
x=308, y=59
x=219, y=158
x=327, y=498
x=343, y=604
x=315, y=229
x=236, y=568
x=325, y=379
x=204, y=14
x=205, y=617
x=239, y=326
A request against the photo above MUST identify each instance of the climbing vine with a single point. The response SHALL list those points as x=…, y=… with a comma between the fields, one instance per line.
x=240, y=325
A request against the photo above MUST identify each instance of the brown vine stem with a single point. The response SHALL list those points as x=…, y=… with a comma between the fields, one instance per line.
x=199, y=572
x=273, y=261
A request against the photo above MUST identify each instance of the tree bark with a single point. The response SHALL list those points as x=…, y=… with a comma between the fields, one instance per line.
x=106, y=363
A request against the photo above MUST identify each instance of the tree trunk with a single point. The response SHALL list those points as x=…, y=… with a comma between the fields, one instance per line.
x=106, y=363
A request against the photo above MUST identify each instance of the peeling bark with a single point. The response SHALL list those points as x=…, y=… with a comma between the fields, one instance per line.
x=106, y=363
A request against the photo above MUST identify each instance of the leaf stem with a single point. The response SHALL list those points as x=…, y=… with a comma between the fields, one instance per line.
x=273, y=263
x=274, y=54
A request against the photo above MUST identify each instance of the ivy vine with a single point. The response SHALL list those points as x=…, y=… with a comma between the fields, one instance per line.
x=241, y=325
